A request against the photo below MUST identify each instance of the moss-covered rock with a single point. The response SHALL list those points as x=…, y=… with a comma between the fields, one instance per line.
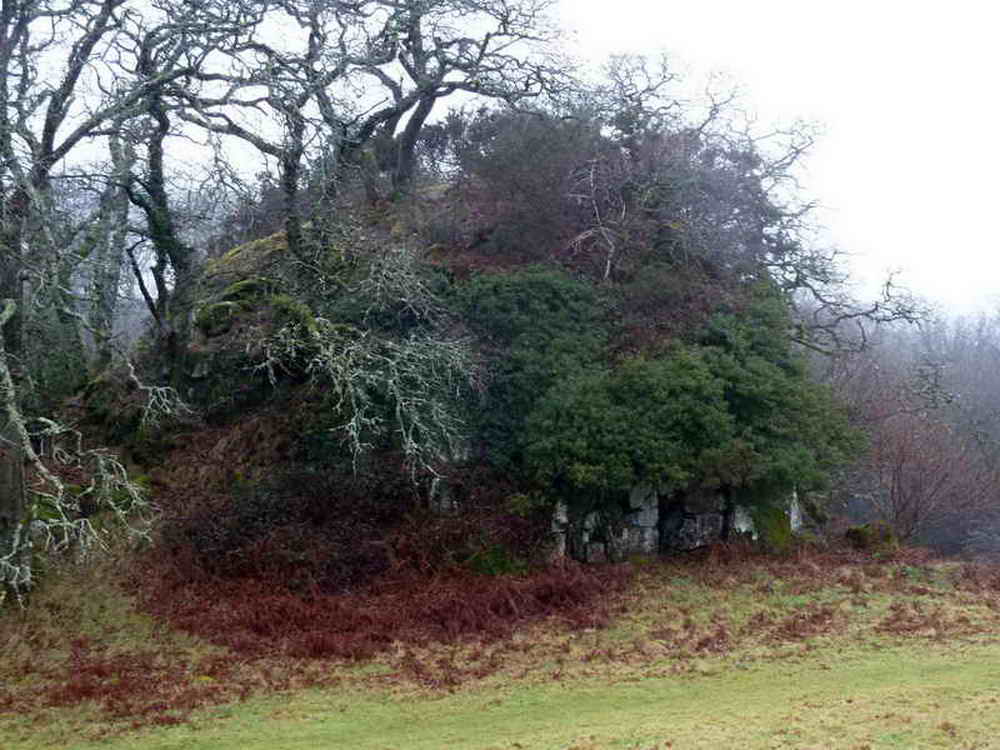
x=224, y=373
x=774, y=528
x=244, y=297
x=217, y=318
x=249, y=290
x=251, y=259
x=223, y=379
x=290, y=311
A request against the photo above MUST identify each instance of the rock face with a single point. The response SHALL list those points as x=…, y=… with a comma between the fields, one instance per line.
x=243, y=298
x=654, y=524
x=643, y=523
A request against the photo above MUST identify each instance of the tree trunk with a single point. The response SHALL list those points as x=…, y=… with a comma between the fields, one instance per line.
x=12, y=505
x=174, y=305
x=13, y=223
x=293, y=216
x=407, y=156
x=13, y=543
x=291, y=172
x=109, y=253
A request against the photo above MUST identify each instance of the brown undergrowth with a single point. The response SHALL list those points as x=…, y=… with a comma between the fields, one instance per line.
x=311, y=562
x=261, y=580
x=264, y=582
x=254, y=618
x=155, y=656
x=158, y=649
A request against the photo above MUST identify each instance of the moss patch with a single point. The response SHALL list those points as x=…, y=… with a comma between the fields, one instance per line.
x=250, y=289
x=216, y=319
x=774, y=528
x=248, y=260
x=872, y=537
x=290, y=311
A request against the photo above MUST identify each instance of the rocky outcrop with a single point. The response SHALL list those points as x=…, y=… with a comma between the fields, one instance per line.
x=653, y=524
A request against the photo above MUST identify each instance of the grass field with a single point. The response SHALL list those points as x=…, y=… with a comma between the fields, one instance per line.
x=746, y=654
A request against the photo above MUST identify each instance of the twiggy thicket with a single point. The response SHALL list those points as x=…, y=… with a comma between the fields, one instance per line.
x=566, y=287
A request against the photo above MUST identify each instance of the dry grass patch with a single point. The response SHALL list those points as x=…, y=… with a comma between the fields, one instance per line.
x=84, y=663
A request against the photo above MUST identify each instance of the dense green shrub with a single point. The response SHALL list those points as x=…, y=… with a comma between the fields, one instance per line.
x=734, y=411
x=876, y=536
x=536, y=327
x=653, y=422
x=790, y=433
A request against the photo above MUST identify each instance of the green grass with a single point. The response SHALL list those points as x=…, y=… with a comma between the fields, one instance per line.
x=904, y=697
x=742, y=655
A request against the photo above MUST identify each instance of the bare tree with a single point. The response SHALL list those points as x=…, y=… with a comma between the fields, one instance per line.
x=931, y=470
x=44, y=119
x=344, y=75
x=32, y=140
x=922, y=472
x=285, y=77
x=498, y=49
x=159, y=50
x=105, y=248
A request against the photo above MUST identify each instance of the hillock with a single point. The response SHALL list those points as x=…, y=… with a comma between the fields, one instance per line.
x=429, y=389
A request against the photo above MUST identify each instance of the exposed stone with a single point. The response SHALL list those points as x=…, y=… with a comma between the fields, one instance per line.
x=560, y=526
x=653, y=525
x=696, y=530
x=795, y=512
x=644, y=540
x=743, y=523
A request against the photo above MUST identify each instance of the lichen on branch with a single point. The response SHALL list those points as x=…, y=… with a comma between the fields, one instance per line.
x=50, y=513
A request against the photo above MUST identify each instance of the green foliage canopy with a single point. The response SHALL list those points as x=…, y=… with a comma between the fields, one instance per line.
x=644, y=422
x=789, y=430
x=538, y=327
x=734, y=410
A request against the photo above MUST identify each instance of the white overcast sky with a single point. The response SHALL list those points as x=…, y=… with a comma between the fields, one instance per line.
x=907, y=97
